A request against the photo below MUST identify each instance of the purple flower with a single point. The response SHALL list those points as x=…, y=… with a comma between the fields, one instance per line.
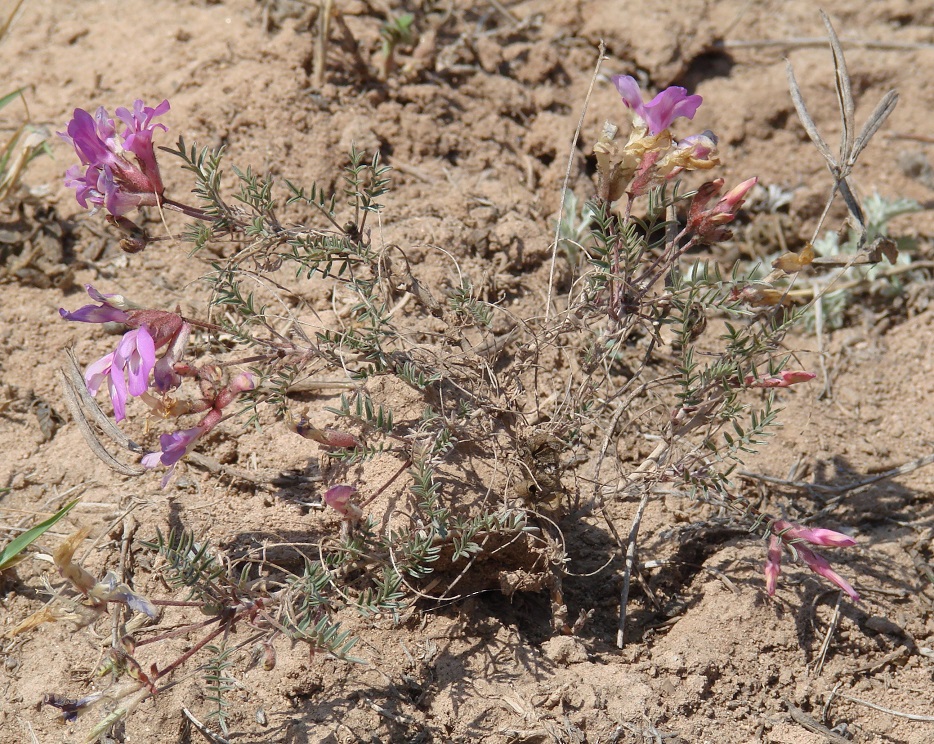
x=136, y=353
x=137, y=138
x=133, y=359
x=111, y=309
x=133, y=354
x=110, y=179
x=174, y=447
x=661, y=111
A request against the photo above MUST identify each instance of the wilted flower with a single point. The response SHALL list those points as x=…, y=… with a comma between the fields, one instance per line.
x=697, y=152
x=111, y=589
x=783, y=532
x=108, y=178
x=759, y=296
x=781, y=380
x=658, y=114
x=326, y=437
x=792, y=262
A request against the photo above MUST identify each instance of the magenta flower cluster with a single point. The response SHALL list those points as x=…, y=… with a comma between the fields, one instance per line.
x=109, y=177
x=127, y=369
x=132, y=369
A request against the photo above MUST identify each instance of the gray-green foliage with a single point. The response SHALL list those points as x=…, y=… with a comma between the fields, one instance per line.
x=879, y=211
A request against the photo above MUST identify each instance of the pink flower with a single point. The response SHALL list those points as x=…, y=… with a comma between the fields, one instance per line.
x=819, y=565
x=133, y=359
x=792, y=535
x=107, y=177
x=782, y=380
x=709, y=223
x=815, y=536
x=658, y=114
x=729, y=205
x=773, y=564
x=340, y=498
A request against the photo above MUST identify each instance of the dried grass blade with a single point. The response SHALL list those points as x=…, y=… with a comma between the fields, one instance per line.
x=4, y=29
x=876, y=119
x=806, y=119
x=844, y=92
x=75, y=392
x=71, y=400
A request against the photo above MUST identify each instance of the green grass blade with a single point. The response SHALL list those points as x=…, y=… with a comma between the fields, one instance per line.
x=17, y=546
x=4, y=100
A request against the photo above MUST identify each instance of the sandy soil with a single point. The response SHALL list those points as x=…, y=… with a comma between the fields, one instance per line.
x=477, y=122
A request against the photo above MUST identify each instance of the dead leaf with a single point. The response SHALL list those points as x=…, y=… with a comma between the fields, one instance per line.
x=793, y=262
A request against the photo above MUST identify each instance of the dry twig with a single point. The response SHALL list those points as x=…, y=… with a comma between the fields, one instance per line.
x=567, y=178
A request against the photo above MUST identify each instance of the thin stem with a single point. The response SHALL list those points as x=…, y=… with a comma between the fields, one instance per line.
x=198, y=214
x=190, y=652
x=627, y=571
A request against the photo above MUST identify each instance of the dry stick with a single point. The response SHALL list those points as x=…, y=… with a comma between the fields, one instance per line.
x=507, y=14
x=803, y=719
x=831, y=629
x=627, y=571
x=650, y=463
x=821, y=356
x=567, y=178
x=897, y=655
x=202, y=729
x=321, y=48
x=851, y=145
x=119, y=614
x=820, y=41
x=72, y=392
x=909, y=716
x=884, y=273
x=912, y=137
x=837, y=490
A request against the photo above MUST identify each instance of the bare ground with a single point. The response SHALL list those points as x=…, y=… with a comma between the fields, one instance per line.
x=477, y=123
